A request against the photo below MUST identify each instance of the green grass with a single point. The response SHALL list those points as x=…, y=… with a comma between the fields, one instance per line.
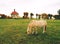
x=13, y=31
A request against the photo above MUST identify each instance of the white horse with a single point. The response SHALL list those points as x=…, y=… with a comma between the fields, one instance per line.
x=32, y=27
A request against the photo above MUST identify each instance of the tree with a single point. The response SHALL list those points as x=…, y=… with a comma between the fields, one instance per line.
x=44, y=16
x=31, y=14
x=3, y=16
x=58, y=11
x=25, y=15
x=39, y=16
x=49, y=16
x=36, y=16
x=57, y=16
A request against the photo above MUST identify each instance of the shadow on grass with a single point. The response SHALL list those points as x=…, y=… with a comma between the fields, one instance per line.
x=42, y=39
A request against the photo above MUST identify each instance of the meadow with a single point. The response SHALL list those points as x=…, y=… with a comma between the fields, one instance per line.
x=13, y=31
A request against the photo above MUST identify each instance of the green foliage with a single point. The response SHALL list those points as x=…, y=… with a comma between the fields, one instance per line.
x=58, y=11
x=13, y=31
x=57, y=16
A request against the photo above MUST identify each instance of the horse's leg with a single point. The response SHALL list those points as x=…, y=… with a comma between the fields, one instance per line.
x=36, y=30
x=29, y=30
x=33, y=30
x=44, y=29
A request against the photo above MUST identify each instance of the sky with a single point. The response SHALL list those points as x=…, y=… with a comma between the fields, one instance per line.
x=31, y=6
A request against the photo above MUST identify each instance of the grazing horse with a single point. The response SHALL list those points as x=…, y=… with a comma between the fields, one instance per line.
x=34, y=24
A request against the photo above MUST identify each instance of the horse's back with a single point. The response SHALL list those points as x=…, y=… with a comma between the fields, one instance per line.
x=43, y=22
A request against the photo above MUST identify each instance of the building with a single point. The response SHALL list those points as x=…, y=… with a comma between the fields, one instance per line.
x=15, y=14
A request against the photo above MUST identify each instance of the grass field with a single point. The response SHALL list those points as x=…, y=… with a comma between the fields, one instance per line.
x=13, y=31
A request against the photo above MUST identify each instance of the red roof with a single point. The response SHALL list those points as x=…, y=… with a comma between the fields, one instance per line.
x=14, y=13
